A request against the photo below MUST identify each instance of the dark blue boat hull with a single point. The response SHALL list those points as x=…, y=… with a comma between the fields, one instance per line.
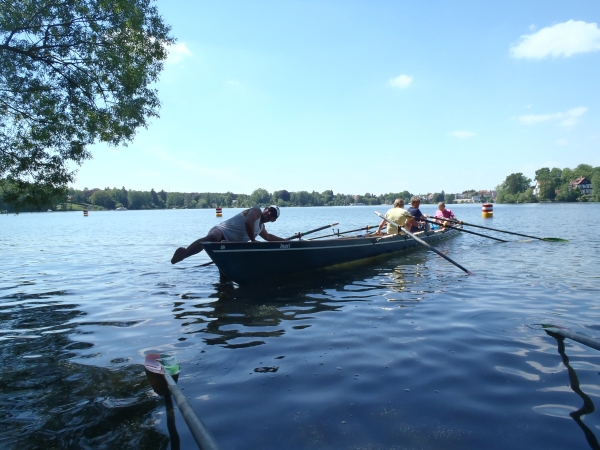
x=250, y=262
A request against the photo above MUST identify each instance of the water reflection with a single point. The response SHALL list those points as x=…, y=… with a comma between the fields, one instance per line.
x=246, y=316
x=48, y=401
x=588, y=404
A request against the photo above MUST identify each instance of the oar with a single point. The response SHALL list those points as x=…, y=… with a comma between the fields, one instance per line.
x=564, y=332
x=165, y=365
x=509, y=232
x=368, y=227
x=299, y=235
x=466, y=231
x=294, y=236
x=422, y=242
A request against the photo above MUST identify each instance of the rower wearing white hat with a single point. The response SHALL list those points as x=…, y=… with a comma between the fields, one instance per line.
x=243, y=227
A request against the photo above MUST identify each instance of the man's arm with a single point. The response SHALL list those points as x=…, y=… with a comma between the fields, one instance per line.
x=410, y=223
x=269, y=237
x=383, y=222
x=252, y=216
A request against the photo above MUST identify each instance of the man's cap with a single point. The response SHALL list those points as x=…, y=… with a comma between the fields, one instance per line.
x=275, y=210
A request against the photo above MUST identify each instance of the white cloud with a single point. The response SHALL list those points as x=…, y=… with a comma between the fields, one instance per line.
x=403, y=81
x=463, y=134
x=562, y=39
x=567, y=119
x=177, y=53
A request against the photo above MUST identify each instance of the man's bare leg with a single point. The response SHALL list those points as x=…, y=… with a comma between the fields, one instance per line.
x=214, y=235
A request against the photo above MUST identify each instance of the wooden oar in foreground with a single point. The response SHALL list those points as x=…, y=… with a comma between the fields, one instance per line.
x=294, y=236
x=157, y=364
x=464, y=231
x=565, y=333
x=508, y=232
x=422, y=242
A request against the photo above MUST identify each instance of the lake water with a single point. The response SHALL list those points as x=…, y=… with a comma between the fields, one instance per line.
x=402, y=352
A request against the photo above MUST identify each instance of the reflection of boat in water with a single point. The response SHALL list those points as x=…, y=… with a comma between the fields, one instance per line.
x=247, y=262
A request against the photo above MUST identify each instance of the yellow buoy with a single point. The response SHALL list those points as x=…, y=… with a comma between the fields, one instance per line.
x=487, y=210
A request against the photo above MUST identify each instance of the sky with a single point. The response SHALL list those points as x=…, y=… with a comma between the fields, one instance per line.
x=365, y=96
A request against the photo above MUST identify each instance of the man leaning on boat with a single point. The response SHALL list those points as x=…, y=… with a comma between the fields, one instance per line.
x=399, y=216
x=242, y=227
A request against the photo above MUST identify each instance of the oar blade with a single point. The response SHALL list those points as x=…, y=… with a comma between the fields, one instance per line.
x=152, y=363
x=159, y=362
x=555, y=240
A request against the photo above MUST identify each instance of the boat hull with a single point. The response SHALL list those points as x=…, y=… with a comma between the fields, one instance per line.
x=250, y=262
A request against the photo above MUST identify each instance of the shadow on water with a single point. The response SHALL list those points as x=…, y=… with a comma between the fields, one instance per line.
x=588, y=404
x=47, y=401
x=253, y=313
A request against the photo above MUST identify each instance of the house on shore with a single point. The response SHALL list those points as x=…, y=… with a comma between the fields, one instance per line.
x=583, y=184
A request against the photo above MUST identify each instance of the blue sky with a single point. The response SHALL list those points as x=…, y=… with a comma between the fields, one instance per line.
x=358, y=96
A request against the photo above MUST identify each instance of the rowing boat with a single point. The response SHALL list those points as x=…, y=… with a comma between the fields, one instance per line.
x=250, y=262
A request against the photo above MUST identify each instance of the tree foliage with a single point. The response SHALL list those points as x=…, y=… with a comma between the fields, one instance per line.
x=515, y=183
x=72, y=72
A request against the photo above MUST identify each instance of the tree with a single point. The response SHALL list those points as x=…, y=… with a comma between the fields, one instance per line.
x=596, y=186
x=260, y=197
x=72, y=73
x=567, y=194
x=175, y=199
x=449, y=198
x=567, y=175
x=284, y=195
x=515, y=183
x=103, y=198
x=547, y=183
x=327, y=196
x=138, y=199
x=583, y=170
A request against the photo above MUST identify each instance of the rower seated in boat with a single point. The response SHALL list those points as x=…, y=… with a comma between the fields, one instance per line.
x=415, y=212
x=399, y=216
x=444, y=213
x=242, y=227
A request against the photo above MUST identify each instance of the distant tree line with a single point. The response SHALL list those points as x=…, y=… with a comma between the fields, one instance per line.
x=552, y=185
x=112, y=198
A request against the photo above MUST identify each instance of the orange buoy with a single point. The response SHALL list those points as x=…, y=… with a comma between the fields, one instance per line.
x=487, y=210
x=219, y=212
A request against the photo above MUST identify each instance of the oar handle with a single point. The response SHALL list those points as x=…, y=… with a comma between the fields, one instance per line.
x=368, y=227
x=201, y=434
x=422, y=242
x=299, y=234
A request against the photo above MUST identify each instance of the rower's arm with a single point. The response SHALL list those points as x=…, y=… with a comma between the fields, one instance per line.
x=252, y=216
x=383, y=222
x=269, y=237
